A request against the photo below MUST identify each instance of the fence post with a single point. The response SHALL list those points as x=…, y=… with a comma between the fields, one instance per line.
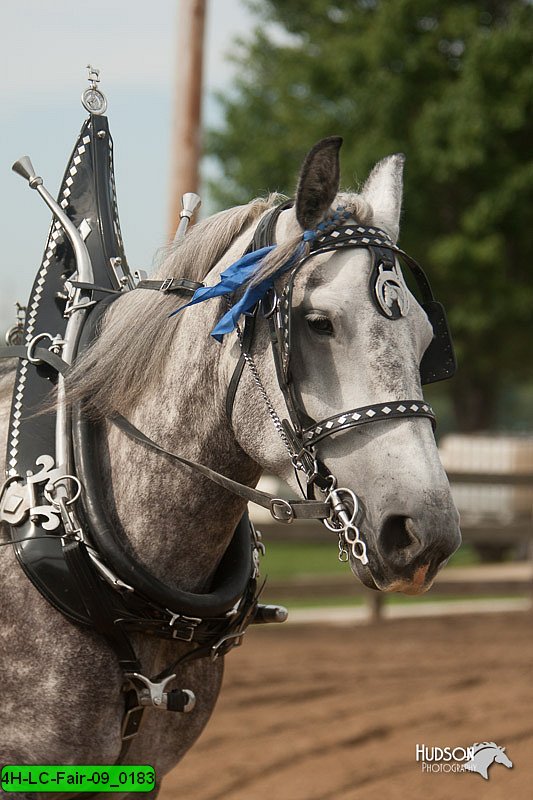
x=376, y=602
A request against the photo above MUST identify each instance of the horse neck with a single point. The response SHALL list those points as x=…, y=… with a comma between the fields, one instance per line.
x=175, y=521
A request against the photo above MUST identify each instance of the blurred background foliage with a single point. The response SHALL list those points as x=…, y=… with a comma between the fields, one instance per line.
x=451, y=86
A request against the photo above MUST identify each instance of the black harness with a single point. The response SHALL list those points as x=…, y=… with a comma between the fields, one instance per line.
x=62, y=536
x=64, y=540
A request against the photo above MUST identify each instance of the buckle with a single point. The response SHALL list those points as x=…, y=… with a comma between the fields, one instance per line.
x=166, y=285
x=281, y=510
x=183, y=627
x=56, y=343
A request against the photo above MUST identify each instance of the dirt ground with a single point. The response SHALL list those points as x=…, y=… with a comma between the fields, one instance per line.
x=335, y=713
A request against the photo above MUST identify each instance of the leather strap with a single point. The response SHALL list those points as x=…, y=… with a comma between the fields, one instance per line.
x=263, y=236
x=399, y=409
x=281, y=510
x=170, y=285
x=97, y=605
x=246, y=343
x=40, y=353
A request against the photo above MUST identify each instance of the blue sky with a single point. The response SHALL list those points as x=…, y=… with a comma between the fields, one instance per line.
x=45, y=47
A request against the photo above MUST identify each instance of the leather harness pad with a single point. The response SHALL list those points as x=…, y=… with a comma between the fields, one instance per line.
x=87, y=192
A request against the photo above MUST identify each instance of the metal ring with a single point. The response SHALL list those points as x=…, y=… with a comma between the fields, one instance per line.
x=54, y=483
x=344, y=556
x=356, y=537
x=331, y=526
x=278, y=501
x=31, y=347
x=94, y=100
x=329, y=523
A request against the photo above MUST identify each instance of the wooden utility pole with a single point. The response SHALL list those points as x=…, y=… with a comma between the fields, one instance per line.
x=188, y=104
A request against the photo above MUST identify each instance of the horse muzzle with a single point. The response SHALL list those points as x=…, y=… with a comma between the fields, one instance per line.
x=404, y=556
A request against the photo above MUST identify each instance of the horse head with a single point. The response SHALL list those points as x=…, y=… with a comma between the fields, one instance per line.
x=502, y=758
x=348, y=350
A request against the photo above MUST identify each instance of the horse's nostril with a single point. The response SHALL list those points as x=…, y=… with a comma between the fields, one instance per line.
x=397, y=534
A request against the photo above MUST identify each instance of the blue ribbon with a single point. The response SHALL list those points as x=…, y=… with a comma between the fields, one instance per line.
x=240, y=273
x=236, y=276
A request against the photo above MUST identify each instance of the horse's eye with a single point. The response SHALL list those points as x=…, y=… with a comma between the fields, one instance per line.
x=320, y=324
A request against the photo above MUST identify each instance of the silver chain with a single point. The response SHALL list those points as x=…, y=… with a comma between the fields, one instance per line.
x=270, y=408
x=349, y=534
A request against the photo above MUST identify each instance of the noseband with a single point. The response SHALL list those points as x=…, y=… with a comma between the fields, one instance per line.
x=301, y=433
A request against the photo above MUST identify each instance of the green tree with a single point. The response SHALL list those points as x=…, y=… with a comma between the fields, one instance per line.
x=450, y=84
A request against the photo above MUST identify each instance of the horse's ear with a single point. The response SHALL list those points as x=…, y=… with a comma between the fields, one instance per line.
x=502, y=749
x=318, y=183
x=383, y=191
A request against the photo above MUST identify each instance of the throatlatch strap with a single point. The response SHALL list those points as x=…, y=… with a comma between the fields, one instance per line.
x=247, y=336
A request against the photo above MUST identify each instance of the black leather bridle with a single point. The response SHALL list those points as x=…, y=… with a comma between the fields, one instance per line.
x=300, y=432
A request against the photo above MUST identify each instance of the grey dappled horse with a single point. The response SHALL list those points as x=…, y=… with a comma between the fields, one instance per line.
x=61, y=698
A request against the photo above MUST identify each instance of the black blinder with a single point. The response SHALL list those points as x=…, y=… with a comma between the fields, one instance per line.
x=438, y=362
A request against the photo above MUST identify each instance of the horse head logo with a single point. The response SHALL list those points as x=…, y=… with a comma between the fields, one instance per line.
x=485, y=754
